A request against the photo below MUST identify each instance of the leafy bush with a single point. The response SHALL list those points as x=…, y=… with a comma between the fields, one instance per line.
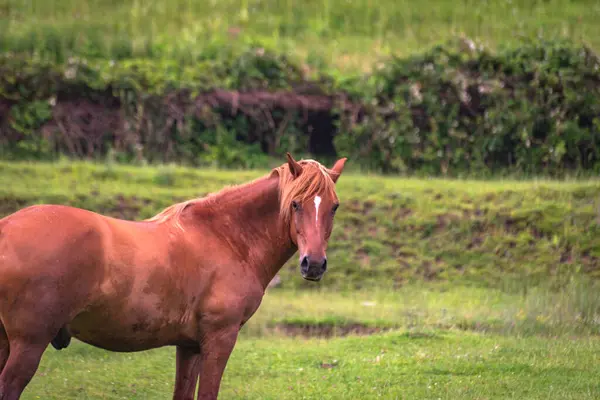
x=456, y=108
x=534, y=108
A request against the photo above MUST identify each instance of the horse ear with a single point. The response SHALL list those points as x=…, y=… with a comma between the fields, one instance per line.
x=337, y=168
x=295, y=168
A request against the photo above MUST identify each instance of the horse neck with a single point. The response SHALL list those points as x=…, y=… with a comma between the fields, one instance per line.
x=248, y=219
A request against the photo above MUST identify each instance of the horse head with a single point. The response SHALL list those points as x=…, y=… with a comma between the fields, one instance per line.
x=308, y=205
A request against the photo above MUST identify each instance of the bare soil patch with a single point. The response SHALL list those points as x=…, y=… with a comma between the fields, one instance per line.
x=327, y=330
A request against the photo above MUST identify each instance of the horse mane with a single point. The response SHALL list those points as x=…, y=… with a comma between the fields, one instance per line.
x=315, y=179
x=171, y=211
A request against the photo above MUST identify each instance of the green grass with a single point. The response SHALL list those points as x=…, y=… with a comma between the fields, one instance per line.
x=396, y=365
x=429, y=355
x=350, y=36
x=388, y=232
x=481, y=289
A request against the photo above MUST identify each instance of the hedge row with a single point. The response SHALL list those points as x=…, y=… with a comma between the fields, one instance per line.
x=456, y=108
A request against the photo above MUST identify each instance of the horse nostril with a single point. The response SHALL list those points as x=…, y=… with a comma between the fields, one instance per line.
x=324, y=264
x=304, y=262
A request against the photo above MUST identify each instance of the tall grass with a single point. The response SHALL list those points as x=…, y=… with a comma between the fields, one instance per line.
x=571, y=310
x=349, y=35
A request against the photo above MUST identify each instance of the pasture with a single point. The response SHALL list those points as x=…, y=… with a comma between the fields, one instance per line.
x=455, y=343
x=520, y=319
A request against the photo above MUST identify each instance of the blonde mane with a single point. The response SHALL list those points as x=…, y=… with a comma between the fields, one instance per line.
x=315, y=179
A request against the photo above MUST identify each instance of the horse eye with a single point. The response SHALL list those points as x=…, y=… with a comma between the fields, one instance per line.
x=335, y=207
x=294, y=205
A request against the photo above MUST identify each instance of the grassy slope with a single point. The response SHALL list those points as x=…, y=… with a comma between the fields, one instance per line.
x=429, y=357
x=346, y=35
x=388, y=231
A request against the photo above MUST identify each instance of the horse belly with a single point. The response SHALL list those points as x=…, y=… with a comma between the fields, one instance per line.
x=128, y=330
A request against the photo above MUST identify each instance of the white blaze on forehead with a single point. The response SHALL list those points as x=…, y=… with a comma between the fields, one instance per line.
x=317, y=203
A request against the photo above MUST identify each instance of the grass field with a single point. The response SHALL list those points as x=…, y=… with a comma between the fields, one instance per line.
x=467, y=289
x=431, y=353
x=347, y=35
x=439, y=365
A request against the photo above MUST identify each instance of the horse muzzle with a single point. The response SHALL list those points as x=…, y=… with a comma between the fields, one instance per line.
x=313, y=268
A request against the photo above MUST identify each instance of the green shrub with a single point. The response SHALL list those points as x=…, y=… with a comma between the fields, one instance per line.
x=533, y=109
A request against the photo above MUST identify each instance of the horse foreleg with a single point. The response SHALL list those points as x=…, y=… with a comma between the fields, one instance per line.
x=216, y=347
x=186, y=375
x=22, y=363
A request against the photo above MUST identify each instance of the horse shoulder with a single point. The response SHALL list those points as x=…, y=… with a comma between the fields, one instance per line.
x=230, y=301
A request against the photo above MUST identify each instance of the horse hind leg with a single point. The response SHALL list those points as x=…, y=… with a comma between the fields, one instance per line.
x=26, y=344
x=22, y=363
x=3, y=347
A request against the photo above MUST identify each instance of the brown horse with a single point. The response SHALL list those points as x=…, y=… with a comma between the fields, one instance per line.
x=190, y=277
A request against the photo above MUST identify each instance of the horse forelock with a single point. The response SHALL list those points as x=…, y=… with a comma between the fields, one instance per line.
x=315, y=180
